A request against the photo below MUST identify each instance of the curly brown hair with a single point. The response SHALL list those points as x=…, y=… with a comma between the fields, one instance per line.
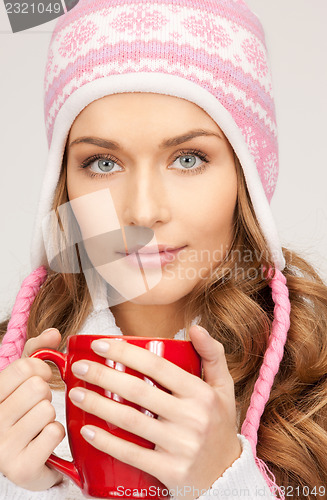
x=236, y=307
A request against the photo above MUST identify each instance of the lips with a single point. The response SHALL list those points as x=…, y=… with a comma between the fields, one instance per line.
x=154, y=249
x=152, y=260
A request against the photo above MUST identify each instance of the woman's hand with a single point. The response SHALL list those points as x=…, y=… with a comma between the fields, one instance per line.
x=28, y=431
x=195, y=435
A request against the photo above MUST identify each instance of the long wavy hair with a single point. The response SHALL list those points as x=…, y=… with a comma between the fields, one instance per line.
x=237, y=309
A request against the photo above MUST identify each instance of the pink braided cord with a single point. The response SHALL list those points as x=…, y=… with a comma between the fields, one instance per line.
x=14, y=340
x=268, y=370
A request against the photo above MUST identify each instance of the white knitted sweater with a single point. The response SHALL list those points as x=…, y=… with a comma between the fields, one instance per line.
x=242, y=479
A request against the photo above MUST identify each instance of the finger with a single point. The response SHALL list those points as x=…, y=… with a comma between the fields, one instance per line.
x=212, y=352
x=29, y=394
x=30, y=425
x=44, y=444
x=122, y=416
x=166, y=373
x=159, y=431
x=40, y=448
x=18, y=372
x=129, y=387
x=130, y=453
x=49, y=338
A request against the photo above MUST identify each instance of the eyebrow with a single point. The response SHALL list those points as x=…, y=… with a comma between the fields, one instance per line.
x=167, y=143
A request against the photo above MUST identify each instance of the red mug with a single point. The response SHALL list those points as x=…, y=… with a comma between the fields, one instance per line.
x=95, y=472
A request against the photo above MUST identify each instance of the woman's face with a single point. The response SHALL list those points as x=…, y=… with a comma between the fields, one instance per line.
x=183, y=190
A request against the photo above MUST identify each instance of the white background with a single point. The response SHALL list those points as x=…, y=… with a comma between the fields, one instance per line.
x=297, y=43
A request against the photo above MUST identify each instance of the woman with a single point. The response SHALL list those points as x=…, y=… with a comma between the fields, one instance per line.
x=197, y=67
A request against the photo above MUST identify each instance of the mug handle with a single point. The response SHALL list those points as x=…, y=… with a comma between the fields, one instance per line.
x=64, y=466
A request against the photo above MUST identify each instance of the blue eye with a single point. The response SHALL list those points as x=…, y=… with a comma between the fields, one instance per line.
x=188, y=156
x=106, y=163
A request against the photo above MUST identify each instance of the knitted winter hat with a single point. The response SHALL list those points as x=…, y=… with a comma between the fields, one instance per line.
x=211, y=53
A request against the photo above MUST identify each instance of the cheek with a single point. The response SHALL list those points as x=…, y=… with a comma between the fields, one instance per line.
x=93, y=208
x=210, y=213
x=222, y=198
x=78, y=182
x=75, y=192
x=75, y=186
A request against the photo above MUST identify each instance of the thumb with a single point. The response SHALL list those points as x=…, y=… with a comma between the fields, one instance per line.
x=212, y=352
x=48, y=339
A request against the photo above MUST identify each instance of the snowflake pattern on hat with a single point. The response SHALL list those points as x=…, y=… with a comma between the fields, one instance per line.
x=214, y=34
x=255, y=56
x=138, y=21
x=80, y=34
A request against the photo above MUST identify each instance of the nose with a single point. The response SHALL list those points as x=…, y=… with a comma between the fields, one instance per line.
x=146, y=201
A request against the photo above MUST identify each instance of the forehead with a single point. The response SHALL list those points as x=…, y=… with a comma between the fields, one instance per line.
x=131, y=110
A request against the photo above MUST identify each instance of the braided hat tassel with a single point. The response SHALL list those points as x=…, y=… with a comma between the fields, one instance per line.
x=268, y=370
x=14, y=340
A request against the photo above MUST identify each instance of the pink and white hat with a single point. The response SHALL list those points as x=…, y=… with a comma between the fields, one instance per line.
x=211, y=53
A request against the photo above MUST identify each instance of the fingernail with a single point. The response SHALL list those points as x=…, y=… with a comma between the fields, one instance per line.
x=203, y=330
x=87, y=433
x=80, y=368
x=77, y=395
x=49, y=330
x=100, y=346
